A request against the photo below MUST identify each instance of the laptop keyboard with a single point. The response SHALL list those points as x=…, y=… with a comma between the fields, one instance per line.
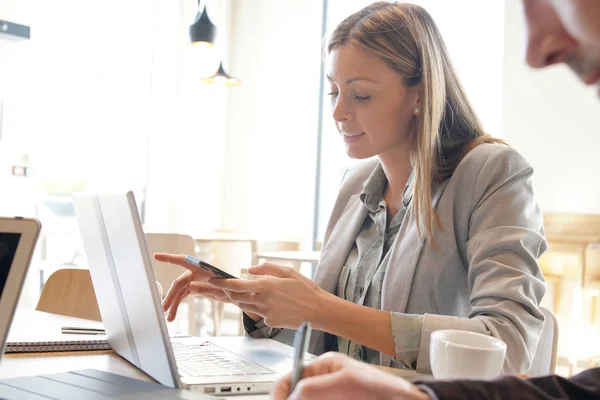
x=206, y=359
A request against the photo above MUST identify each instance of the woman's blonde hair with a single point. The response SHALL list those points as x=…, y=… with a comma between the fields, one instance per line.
x=405, y=36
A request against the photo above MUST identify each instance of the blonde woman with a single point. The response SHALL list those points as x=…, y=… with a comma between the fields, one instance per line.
x=440, y=231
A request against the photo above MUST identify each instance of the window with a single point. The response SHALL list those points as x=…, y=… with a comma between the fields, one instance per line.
x=76, y=100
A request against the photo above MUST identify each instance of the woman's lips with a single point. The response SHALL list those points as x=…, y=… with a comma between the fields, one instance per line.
x=352, y=137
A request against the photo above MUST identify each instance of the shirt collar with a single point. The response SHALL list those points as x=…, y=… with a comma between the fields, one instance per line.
x=373, y=189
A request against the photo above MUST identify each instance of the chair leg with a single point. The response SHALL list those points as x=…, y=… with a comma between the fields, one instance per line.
x=241, y=331
x=192, y=323
x=221, y=314
x=217, y=314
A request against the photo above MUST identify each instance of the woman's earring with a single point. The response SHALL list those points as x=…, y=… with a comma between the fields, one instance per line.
x=417, y=111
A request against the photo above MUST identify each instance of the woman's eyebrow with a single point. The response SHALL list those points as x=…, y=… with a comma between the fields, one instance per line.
x=357, y=78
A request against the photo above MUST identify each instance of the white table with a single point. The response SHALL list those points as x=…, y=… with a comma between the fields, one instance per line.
x=300, y=256
x=297, y=256
x=28, y=364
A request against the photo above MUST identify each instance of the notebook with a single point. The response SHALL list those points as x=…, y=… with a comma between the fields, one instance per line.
x=36, y=331
x=60, y=342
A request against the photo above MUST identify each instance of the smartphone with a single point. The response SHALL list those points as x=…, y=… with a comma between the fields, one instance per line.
x=301, y=342
x=208, y=268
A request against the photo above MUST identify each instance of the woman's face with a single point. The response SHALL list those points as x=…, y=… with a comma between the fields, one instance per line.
x=372, y=109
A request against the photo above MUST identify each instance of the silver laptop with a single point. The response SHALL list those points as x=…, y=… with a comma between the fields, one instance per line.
x=18, y=237
x=131, y=310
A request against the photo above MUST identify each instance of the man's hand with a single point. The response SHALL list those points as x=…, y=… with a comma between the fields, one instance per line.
x=335, y=376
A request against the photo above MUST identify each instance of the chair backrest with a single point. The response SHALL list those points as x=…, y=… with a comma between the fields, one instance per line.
x=174, y=243
x=544, y=360
x=70, y=292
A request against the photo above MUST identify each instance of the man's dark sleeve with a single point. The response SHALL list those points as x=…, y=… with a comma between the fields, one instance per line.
x=583, y=386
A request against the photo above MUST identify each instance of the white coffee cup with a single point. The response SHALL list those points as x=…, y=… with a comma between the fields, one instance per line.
x=461, y=354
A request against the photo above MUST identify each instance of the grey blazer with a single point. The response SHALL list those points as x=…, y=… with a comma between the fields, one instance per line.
x=481, y=275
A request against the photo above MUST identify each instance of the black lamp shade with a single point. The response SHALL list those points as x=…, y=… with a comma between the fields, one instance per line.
x=221, y=77
x=203, y=30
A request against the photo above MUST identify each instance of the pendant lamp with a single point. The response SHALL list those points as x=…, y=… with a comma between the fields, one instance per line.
x=203, y=31
x=221, y=77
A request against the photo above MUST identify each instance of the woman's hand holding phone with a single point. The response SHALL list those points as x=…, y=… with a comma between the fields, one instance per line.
x=219, y=273
x=194, y=280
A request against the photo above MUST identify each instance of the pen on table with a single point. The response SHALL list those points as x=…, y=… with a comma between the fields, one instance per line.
x=77, y=330
x=301, y=341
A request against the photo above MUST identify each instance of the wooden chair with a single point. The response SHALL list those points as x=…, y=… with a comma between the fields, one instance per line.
x=172, y=243
x=233, y=256
x=70, y=292
x=165, y=273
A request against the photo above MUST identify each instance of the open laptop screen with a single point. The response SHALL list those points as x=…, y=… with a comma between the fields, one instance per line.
x=8, y=248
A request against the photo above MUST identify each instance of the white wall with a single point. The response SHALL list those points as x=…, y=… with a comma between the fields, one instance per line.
x=187, y=129
x=272, y=118
x=554, y=121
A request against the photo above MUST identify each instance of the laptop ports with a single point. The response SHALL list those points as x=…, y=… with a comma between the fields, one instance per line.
x=226, y=389
x=210, y=390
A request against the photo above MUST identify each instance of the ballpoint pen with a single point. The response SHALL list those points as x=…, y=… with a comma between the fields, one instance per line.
x=301, y=342
x=78, y=330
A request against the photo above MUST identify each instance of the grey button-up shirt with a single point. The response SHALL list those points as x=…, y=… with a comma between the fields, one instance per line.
x=361, y=279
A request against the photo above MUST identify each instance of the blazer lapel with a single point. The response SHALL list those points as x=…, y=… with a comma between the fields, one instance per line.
x=403, y=261
x=340, y=243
